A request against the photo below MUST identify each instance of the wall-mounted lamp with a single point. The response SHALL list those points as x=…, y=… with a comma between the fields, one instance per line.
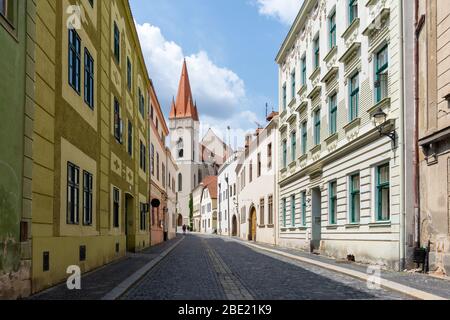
x=385, y=128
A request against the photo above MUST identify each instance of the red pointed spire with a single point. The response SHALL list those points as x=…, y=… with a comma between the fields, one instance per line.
x=184, y=106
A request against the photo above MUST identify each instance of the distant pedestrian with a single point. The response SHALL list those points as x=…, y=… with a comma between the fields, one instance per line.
x=184, y=229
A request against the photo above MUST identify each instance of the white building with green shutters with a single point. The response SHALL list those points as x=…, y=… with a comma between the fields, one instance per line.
x=344, y=163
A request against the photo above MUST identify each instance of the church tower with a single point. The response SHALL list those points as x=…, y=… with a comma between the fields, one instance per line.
x=184, y=129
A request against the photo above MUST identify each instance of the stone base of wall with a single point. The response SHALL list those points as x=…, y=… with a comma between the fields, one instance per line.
x=440, y=263
x=16, y=285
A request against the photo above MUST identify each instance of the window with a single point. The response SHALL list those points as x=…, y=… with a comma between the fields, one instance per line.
x=353, y=10
x=116, y=201
x=91, y=2
x=116, y=42
x=293, y=145
x=261, y=211
x=316, y=48
x=354, y=198
x=157, y=166
x=284, y=97
x=381, y=79
x=293, y=210
x=180, y=151
x=332, y=22
x=74, y=60
x=333, y=114
x=180, y=182
x=270, y=209
x=130, y=138
x=303, y=197
x=152, y=159
x=117, y=121
x=304, y=71
x=7, y=10
x=269, y=156
x=284, y=153
x=304, y=137
x=141, y=103
x=354, y=97
x=317, y=127
x=142, y=158
x=87, y=198
x=143, y=216
x=293, y=85
x=332, y=202
x=284, y=212
x=88, y=79
x=129, y=73
x=163, y=175
x=258, y=169
x=73, y=187
x=382, y=193
x=250, y=172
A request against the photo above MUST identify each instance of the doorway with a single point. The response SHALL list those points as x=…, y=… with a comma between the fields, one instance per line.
x=316, y=232
x=129, y=214
x=180, y=220
x=234, y=226
x=252, y=227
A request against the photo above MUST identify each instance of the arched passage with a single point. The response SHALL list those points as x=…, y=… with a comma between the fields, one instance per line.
x=252, y=225
x=234, y=226
x=180, y=220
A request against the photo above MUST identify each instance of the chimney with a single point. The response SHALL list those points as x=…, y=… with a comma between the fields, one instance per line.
x=248, y=140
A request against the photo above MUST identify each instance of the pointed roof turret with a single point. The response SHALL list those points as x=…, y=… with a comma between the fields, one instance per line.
x=184, y=106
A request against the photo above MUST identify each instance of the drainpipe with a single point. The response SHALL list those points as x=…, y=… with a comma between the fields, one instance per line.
x=402, y=140
x=220, y=212
x=419, y=25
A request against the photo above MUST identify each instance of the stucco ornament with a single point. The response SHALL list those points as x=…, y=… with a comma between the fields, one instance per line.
x=75, y=16
x=377, y=21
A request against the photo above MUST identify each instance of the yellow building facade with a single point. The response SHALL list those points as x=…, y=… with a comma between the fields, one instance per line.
x=90, y=143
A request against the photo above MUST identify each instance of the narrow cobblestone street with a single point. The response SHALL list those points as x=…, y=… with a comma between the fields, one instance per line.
x=207, y=267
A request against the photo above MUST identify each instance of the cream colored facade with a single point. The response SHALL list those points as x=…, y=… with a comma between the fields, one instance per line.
x=172, y=196
x=257, y=189
x=434, y=130
x=342, y=183
x=90, y=152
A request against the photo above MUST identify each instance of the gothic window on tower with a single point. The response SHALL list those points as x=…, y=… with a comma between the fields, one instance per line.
x=180, y=150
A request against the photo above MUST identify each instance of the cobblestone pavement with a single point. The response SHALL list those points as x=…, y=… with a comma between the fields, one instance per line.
x=96, y=284
x=212, y=268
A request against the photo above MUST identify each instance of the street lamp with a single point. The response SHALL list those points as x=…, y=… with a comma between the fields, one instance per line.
x=383, y=126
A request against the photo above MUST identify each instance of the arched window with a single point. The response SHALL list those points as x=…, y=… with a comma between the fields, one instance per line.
x=180, y=182
x=199, y=176
x=180, y=150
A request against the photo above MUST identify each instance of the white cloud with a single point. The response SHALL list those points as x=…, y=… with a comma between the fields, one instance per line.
x=283, y=10
x=219, y=92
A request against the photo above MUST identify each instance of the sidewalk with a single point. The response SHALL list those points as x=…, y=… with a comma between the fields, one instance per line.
x=419, y=285
x=96, y=284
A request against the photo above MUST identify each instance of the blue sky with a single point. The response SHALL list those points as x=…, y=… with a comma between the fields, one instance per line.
x=230, y=48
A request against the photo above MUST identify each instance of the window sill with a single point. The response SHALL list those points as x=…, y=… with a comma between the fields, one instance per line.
x=271, y=226
x=352, y=27
x=355, y=225
x=380, y=224
x=352, y=124
x=332, y=227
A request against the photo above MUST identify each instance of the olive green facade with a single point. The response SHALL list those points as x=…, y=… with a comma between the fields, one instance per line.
x=17, y=33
